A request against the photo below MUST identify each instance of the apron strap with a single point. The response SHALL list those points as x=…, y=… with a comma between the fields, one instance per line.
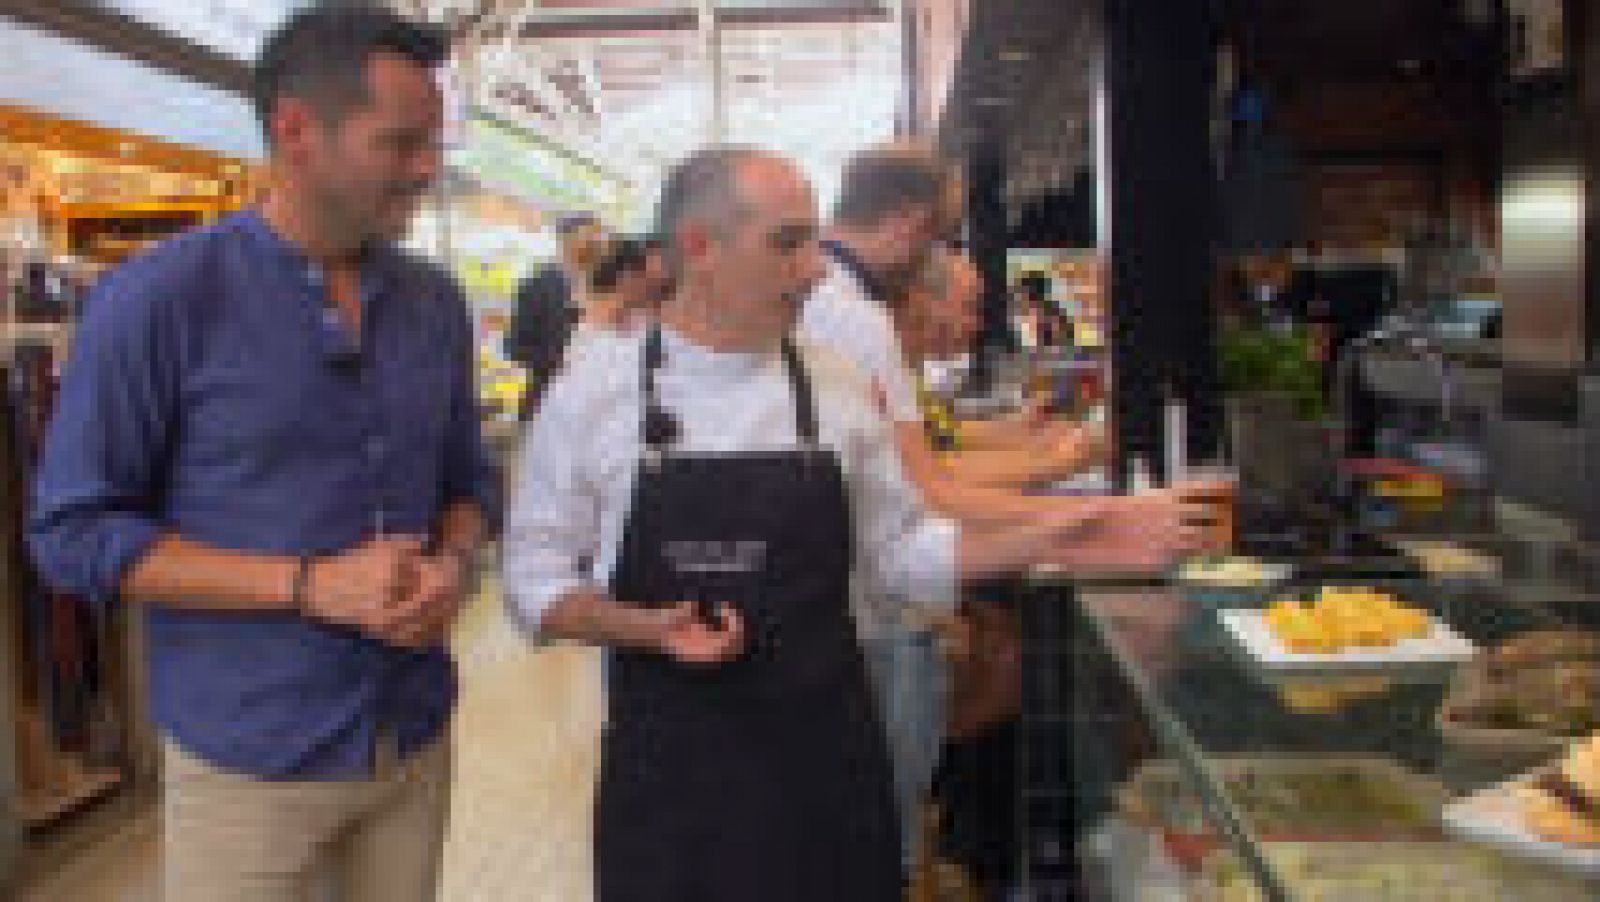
x=805, y=406
x=661, y=428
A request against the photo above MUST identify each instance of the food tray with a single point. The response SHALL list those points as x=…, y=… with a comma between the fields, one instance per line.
x=1441, y=649
x=1451, y=562
x=1380, y=800
x=1388, y=872
x=1208, y=594
x=1493, y=817
x=1480, y=753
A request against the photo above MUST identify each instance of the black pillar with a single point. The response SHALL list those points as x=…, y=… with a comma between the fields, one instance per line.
x=1159, y=76
x=986, y=222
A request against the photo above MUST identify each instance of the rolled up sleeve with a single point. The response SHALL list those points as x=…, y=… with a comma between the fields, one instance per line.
x=95, y=495
x=552, y=528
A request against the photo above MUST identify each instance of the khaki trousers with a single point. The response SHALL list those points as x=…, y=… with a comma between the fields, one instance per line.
x=230, y=837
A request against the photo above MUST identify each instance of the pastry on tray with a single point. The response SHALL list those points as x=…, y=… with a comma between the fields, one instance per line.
x=1562, y=804
x=1562, y=698
x=1542, y=647
x=1545, y=682
x=1343, y=617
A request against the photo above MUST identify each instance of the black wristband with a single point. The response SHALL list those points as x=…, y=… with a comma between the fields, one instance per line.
x=302, y=580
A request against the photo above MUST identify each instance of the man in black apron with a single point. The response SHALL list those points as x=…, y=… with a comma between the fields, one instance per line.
x=770, y=768
x=742, y=760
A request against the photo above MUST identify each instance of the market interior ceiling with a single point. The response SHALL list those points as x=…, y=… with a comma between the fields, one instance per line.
x=624, y=86
x=627, y=86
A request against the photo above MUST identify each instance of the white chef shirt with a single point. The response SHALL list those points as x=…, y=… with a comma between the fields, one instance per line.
x=582, y=450
x=841, y=316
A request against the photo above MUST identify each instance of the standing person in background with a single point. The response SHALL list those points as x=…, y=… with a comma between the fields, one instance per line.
x=550, y=303
x=268, y=437
x=627, y=286
x=897, y=204
x=939, y=321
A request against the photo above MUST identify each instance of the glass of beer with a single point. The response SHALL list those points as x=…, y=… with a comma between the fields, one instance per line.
x=1216, y=488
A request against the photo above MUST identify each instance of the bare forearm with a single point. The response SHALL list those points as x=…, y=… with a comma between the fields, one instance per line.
x=994, y=506
x=996, y=551
x=946, y=491
x=595, y=619
x=1003, y=467
x=180, y=572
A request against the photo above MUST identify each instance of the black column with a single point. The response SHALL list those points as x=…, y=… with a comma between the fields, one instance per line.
x=986, y=220
x=1159, y=76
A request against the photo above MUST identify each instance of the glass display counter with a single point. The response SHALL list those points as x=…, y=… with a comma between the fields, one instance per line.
x=1325, y=771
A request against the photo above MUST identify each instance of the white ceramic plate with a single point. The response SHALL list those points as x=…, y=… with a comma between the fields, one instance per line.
x=1442, y=647
x=1493, y=817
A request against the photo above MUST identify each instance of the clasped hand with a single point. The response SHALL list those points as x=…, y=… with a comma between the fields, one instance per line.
x=388, y=588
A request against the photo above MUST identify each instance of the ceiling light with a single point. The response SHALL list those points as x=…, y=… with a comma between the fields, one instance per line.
x=1014, y=55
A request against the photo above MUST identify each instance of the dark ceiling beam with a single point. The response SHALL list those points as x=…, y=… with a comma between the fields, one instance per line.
x=126, y=36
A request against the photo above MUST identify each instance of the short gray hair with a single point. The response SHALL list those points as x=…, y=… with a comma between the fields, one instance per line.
x=704, y=187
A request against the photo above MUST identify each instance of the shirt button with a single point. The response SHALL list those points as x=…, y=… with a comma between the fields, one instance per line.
x=375, y=447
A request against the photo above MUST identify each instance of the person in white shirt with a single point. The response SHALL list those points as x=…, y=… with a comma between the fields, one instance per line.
x=698, y=504
x=897, y=204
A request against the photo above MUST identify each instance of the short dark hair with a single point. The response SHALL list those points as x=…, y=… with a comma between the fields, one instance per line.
x=320, y=55
x=622, y=257
x=881, y=181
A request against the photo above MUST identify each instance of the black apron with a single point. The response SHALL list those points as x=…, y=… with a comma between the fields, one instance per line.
x=765, y=778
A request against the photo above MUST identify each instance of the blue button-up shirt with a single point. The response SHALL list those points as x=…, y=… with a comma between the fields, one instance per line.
x=211, y=394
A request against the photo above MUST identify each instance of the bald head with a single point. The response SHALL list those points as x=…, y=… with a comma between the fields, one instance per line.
x=741, y=225
x=705, y=188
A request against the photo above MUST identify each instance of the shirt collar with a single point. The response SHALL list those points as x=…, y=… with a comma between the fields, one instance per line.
x=852, y=263
x=375, y=259
x=700, y=365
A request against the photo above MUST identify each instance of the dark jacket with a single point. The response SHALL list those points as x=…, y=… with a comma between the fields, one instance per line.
x=541, y=326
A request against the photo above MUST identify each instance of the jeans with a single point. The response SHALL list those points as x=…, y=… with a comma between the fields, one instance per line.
x=909, y=678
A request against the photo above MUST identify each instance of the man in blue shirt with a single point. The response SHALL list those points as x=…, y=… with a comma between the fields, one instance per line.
x=267, y=435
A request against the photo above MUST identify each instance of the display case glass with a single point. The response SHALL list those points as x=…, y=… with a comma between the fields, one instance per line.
x=1294, y=752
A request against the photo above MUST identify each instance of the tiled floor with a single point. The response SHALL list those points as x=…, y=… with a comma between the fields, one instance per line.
x=526, y=748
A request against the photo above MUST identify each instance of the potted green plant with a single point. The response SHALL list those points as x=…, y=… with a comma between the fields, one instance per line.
x=1275, y=405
